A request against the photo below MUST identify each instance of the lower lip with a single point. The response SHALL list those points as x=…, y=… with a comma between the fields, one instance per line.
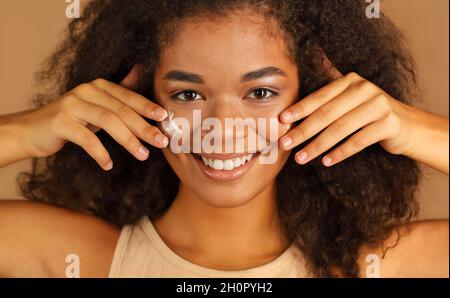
x=224, y=175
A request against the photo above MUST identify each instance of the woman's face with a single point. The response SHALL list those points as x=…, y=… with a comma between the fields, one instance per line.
x=209, y=67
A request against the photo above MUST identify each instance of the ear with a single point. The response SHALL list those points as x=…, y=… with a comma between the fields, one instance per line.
x=332, y=71
x=132, y=79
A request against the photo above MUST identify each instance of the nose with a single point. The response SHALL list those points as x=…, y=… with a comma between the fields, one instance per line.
x=226, y=109
x=236, y=127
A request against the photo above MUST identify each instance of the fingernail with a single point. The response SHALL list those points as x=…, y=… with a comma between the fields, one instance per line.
x=286, y=116
x=327, y=161
x=109, y=165
x=143, y=152
x=286, y=141
x=301, y=156
x=160, y=113
x=162, y=139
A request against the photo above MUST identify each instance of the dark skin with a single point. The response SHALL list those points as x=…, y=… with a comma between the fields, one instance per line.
x=94, y=241
x=50, y=233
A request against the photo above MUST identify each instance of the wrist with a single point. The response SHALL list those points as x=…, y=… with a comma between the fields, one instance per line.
x=12, y=136
x=429, y=139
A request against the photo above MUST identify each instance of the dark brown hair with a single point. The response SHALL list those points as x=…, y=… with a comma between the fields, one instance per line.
x=328, y=212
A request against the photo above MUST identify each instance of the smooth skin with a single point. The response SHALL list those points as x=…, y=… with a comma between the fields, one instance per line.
x=36, y=238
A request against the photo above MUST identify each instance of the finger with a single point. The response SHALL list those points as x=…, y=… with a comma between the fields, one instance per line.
x=132, y=99
x=356, y=143
x=78, y=134
x=352, y=121
x=325, y=115
x=138, y=126
x=111, y=123
x=318, y=98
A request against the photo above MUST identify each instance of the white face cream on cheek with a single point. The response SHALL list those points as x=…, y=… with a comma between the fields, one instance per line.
x=169, y=126
x=178, y=131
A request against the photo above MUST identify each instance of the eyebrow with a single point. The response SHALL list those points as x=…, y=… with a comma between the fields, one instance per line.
x=179, y=75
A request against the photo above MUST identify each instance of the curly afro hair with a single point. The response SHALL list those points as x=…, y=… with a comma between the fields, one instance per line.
x=328, y=212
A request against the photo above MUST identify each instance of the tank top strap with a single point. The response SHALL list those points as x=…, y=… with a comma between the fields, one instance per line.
x=120, y=250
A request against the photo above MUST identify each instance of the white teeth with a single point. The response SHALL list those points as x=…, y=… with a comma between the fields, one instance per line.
x=218, y=164
x=227, y=164
x=237, y=162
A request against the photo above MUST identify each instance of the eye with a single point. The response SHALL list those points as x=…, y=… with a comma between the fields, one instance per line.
x=261, y=93
x=186, y=95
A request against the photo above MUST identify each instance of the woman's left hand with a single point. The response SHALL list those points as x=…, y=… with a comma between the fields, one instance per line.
x=352, y=104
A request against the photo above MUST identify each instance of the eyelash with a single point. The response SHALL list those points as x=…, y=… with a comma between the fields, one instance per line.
x=274, y=94
x=175, y=96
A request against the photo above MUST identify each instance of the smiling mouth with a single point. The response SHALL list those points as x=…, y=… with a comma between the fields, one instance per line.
x=219, y=163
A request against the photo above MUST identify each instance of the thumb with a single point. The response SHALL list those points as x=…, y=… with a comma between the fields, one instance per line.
x=132, y=79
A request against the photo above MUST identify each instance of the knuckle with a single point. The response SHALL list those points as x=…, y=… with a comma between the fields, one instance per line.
x=392, y=125
x=125, y=112
x=88, y=141
x=68, y=101
x=300, y=132
x=149, y=131
x=131, y=141
x=353, y=76
x=296, y=112
x=316, y=147
x=355, y=143
x=321, y=96
x=299, y=110
x=382, y=103
x=365, y=85
x=83, y=88
x=106, y=116
x=338, y=153
x=99, y=82
x=340, y=127
x=323, y=114
x=149, y=106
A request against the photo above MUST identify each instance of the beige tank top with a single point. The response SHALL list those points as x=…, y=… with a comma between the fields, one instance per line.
x=141, y=252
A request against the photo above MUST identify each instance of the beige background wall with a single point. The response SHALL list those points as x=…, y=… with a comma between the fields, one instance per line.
x=30, y=29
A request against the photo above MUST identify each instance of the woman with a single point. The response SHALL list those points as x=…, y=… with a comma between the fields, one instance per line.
x=341, y=205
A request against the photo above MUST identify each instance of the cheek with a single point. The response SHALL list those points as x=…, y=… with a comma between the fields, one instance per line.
x=264, y=174
x=178, y=162
x=267, y=173
x=275, y=168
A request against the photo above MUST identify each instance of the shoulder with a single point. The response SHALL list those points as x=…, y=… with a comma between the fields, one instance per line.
x=416, y=249
x=37, y=238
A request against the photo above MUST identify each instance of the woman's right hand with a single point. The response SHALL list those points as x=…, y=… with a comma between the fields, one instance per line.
x=77, y=115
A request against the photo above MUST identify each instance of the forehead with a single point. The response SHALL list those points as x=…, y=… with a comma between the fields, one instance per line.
x=226, y=45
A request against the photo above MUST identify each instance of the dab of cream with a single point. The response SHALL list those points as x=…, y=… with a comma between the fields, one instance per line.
x=169, y=126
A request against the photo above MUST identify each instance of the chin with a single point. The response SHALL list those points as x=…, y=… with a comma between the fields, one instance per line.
x=225, y=197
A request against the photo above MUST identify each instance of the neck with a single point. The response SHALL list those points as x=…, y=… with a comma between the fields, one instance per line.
x=224, y=238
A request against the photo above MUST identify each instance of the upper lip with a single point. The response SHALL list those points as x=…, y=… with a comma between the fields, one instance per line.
x=224, y=156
